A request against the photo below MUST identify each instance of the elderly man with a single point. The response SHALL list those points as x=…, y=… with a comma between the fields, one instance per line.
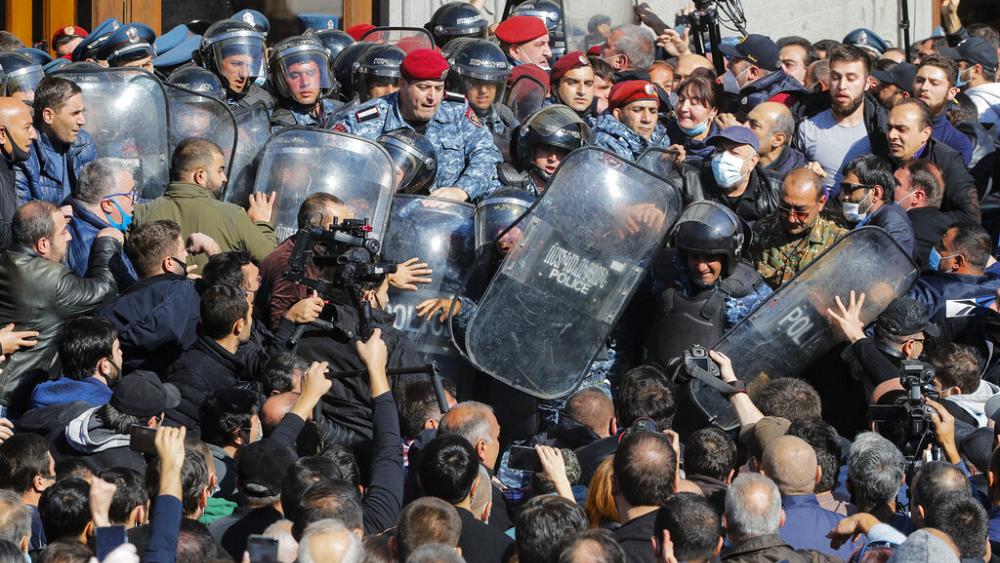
x=525, y=40
x=104, y=197
x=788, y=240
x=467, y=158
x=687, y=64
x=774, y=126
x=39, y=292
x=16, y=135
x=630, y=51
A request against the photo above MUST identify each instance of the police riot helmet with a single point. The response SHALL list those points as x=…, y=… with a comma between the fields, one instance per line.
x=334, y=40
x=199, y=80
x=708, y=227
x=475, y=62
x=457, y=19
x=413, y=157
x=300, y=65
x=378, y=65
x=555, y=126
x=231, y=38
x=22, y=75
x=499, y=211
x=343, y=66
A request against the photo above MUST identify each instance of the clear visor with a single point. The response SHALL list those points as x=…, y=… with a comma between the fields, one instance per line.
x=483, y=93
x=308, y=71
x=24, y=80
x=493, y=218
x=408, y=166
x=244, y=54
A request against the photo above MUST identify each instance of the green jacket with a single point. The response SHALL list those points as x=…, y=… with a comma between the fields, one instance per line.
x=197, y=210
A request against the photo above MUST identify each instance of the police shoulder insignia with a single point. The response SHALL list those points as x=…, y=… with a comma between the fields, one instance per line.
x=340, y=128
x=367, y=114
x=472, y=117
x=453, y=97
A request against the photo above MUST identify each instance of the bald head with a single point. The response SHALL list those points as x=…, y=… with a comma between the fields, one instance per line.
x=753, y=507
x=275, y=408
x=791, y=463
x=802, y=183
x=592, y=408
x=328, y=540
x=16, y=128
x=478, y=425
x=773, y=125
x=686, y=64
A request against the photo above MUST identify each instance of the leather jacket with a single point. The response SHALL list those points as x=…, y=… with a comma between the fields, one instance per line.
x=698, y=183
x=40, y=294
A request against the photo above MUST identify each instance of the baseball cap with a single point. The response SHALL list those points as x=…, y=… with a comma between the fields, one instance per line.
x=736, y=134
x=262, y=466
x=974, y=50
x=901, y=75
x=758, y=49
x=141, y=394
x=904, y=317
x=757, y=436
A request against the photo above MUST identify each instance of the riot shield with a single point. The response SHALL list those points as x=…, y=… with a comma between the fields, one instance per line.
x=127, y=116
x=583, y=18
x=525, y=96
x=440, y=233
x=194, y=114
x=253, y=128
x=560, y=290
x=298, y=161
x=784, y=335
x=406, y=38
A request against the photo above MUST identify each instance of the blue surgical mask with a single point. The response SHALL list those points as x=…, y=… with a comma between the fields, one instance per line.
x=935, y=258
x=126, y=218
x=697, y=129
x=727, y=169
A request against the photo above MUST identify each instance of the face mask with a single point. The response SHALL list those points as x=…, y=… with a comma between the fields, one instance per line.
x=17, y=154
x=908, y=196
x=126, y=218
x=731, y=82
x=961, y=82
x=727, y=169
x=935, y=258
x=697, y=129
x=853, y=213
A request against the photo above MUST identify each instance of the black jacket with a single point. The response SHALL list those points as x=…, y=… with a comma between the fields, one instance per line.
x=928, y=226
x=205, y=368
x=763, y=89
x=480, y=542
x=698, y=183
x=591, y=456
x=893, y=220
x=789, y=159
x=8, y=201
x=961, y=200
x=634, y=536
x=872, y=363
x=157, y=319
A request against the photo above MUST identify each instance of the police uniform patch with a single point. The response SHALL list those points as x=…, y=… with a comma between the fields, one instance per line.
x=340, y=128
x=472, y=117
x=248, y=18
x=367, y=114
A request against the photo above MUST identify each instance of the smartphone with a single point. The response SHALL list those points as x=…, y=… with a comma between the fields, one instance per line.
x=142, y=439
x=524, y=458
x=262, y=549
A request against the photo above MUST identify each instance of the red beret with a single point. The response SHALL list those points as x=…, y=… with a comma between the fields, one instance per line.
x=424, y=64
x=595, y=49
x=534, y=71
x=357, y=30
x=520, y=29
x=69, y=31
x=624, y=93
x=568, y=62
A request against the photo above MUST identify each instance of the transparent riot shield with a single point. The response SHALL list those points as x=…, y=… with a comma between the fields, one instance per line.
x=792, y=329
x=440, y=233
x=194, y=114
x=406, y=38
x=525, y=96
x=299, y=161
x=253, y=128
x=559, y=292
x=127, y=116
x=583, y=21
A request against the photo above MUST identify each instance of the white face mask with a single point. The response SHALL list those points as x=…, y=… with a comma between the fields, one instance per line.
x=731, y=82
x=908, y=196
x=727, y=169
x=852, y=211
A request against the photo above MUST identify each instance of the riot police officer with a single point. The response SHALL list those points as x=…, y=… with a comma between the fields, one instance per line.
x=702, y=286
x=631, y=126
x=21, y=76
x=541, y=144
x=300, y=72
x=457, y=19
x=131, y=45
x=413, y=156
x=479, y=71
x=466, y=156
x=234, y=50
x=550, y=13
x=343, y=70
x=376, y=73
x=199, y=80
x=334, y=41
x=572, y=80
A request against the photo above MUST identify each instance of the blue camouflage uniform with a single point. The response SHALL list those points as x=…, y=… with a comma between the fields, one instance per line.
x=611, y=134
x=466, y=155
x=287, y=115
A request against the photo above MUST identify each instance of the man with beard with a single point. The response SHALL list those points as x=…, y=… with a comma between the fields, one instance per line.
x=935, y=85
x=844, y=132
x=785, y=242
x=91, y=359
x=16, y=135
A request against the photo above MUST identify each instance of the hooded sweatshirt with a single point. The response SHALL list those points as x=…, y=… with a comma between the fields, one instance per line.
x=974, y=403
x=987, y=100
x=85, y=434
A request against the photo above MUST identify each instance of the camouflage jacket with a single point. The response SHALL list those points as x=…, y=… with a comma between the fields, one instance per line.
x=779, y=256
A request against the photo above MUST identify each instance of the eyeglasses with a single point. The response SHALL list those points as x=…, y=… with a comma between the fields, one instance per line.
x=131, y=195
x=793, y=212
x=849, y=187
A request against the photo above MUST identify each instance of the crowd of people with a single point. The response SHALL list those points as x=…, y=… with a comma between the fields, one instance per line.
x=248, y=391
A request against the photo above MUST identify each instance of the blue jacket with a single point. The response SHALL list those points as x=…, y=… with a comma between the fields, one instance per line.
x=157, y=319
x=807, y=523
x=891, y=218
x=946, y=133
x=611, y=134
x=84, y=228
x=763, y=89
x=43, y=175
x=467, y=158
x=692, y=147
x=65, y=390
x=953, y=295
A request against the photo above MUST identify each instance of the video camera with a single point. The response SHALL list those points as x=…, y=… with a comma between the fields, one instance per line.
x=907, y=422
x=350, y=257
